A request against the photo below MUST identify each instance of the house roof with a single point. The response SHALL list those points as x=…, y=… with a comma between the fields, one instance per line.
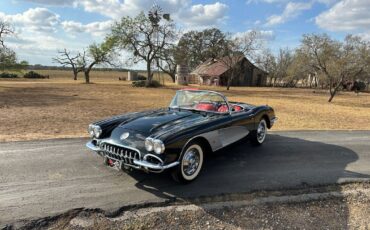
x=213, y=67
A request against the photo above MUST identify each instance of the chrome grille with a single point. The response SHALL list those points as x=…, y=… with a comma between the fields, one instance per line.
x=126, y=155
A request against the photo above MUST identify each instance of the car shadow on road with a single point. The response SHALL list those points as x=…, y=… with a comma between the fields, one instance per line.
x=281, y=163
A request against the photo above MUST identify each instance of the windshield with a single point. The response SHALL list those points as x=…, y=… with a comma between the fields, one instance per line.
x=200, y=100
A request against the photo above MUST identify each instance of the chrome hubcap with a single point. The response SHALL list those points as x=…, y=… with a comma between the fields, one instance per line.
x=191, y=162
x=261, y=131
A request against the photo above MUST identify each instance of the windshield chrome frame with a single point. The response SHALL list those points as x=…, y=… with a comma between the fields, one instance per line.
x=208, y=91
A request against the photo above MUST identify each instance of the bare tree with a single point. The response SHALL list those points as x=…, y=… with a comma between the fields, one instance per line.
x=277, y=66
x=8, y=58
x=65, y=58
x=96, y=54
x=336, y=61
x=5, y=30
x=166, y=61
x=236, y=48
x=139, y=36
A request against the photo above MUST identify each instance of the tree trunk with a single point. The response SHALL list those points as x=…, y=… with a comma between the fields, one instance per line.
x=87, y=72
x=87, y=76
x=229, y=80
x=75, y=75
x=334, y=91
x=149, y=77
x=173, y=77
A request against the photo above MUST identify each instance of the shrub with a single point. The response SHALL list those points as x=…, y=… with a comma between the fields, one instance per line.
x=8, y=75
x=141, y=77
x=155, y=84
x=142, y=83
x=138, y=83
x=124, y=78
x=359, y=86
x=34, y=75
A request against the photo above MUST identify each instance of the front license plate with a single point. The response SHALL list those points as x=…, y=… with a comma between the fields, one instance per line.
x=114, y=164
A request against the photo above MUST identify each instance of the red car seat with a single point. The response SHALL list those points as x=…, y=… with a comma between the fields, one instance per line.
x=205, y=107
x=237, y=108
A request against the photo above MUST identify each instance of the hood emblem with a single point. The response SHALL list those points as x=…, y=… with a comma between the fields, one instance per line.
x=124, y=136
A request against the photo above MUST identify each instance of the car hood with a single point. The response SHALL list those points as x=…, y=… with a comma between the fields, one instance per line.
x=153, y=123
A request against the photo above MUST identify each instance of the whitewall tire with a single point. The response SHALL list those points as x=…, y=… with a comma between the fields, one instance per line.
x=191, y=163
x=258, y=136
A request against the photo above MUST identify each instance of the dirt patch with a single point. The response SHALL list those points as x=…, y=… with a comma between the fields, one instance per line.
x=329, y=207
x=60, y=107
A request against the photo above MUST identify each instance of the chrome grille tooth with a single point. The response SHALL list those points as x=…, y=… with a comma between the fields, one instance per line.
x=120, y=153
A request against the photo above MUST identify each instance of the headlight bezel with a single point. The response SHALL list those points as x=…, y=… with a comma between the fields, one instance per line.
x=149, y=145
x=158, y=146
x=95, y=131
x=154, y=145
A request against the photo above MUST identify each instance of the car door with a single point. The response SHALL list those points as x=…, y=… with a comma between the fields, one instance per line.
x=238, y=127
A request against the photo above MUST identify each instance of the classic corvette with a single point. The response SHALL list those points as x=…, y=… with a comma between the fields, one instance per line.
x=177, y=138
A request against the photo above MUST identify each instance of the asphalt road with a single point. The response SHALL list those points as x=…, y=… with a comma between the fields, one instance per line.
x=42, y=178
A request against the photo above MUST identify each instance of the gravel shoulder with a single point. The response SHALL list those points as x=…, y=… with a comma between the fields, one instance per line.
x=344, y=206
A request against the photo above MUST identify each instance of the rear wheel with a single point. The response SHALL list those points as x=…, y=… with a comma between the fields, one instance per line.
x=258, y=136
x=191, y=163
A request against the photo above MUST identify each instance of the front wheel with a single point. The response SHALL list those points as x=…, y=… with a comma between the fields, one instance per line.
x=191, y=163
x=258, y=136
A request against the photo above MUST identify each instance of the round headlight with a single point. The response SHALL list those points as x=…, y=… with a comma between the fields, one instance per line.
x=97, y=131
x=149, y=146
x=91, y=130
x=158, y=146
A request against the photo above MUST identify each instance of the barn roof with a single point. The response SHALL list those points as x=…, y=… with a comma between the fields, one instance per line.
x=213, y=67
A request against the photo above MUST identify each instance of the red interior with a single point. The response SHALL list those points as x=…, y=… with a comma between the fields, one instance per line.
x=223, y=109
x=237, y=108
x=205, y=107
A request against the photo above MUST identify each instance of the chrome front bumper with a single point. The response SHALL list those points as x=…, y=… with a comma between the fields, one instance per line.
x=142, y=163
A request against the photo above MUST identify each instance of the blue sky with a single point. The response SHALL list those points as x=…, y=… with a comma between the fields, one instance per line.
x=45, y=26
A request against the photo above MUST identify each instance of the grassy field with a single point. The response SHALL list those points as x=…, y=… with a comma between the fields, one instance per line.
x=60, y=107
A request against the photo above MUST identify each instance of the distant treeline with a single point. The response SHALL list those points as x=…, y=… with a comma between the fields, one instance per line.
x=43, y=67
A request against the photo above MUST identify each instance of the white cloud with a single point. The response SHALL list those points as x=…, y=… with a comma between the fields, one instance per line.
x=347, y=15
x=199, y=15
x=266, y=35
x=36, y=19
x=204, y=15
x=52, y=2
x=116, y=9
x=95, y=28
x=326, y=2
x=39, y=34
x=292, y=10
x=192, y=15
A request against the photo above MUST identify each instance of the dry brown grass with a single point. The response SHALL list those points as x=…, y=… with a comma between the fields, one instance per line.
x=60, y=107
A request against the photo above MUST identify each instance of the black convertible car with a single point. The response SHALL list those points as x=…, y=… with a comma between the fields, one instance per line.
x=177, y=137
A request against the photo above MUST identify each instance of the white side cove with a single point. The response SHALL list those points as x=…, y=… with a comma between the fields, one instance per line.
x=223, y=137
